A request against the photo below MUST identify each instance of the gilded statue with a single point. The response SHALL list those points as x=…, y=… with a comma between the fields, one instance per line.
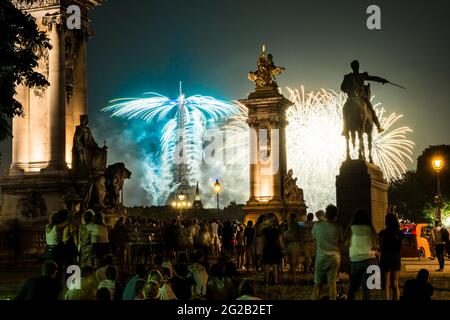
x=264, y=76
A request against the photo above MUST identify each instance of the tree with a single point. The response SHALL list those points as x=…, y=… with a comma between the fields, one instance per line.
x=20, y=39
x=404, y=193
x=426, y=175
x=414, y=192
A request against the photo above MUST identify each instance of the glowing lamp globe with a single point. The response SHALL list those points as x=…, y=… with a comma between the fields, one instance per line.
x=217, y=186
x=438, y=163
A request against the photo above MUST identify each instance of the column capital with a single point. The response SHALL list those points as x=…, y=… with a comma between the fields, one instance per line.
x=57, y=20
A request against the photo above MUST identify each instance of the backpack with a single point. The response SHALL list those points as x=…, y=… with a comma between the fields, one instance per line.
x=444, y=234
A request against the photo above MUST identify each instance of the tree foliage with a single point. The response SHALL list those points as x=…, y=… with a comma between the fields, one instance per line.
x=19, y=41
x=414, y=192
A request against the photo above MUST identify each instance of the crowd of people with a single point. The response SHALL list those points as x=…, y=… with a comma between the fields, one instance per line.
x=144, y=259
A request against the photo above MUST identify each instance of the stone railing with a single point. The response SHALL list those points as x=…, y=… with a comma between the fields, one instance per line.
x=31, y=242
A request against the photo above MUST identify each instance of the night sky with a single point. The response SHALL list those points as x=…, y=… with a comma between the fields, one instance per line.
x=211, y=45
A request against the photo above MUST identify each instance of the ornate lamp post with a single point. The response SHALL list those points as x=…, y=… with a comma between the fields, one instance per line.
x=181, y=203
x=438, y=164
x=217, y=188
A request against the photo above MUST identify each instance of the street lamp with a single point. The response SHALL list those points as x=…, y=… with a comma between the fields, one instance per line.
x=438, y=164
x=180, y=203
x=217, y=188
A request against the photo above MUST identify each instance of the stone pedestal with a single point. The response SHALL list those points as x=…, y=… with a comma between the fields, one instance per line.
x=267, y=168
x=39, y=179
x=361, y=185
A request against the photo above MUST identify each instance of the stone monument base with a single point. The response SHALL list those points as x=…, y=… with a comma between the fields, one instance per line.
x=361, y=185
x=254, y=209
x=32, y=196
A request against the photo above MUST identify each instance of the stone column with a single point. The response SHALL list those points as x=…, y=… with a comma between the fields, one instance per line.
x=20, y=134
x=56, y=94
x=253, y=158
x=80, y=88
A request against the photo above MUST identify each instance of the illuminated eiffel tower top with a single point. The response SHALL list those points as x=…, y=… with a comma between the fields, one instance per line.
x=197, y=200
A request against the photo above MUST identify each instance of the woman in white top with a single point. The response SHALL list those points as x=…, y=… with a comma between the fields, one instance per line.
x=363, y=243
x=99, y=238
x=53, y=237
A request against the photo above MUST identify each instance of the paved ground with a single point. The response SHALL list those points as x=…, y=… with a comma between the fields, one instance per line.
x=303, y=289
x=12, y=278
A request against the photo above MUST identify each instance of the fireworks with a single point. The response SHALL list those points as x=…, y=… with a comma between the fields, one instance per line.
x=185, y=120
x=316, y=148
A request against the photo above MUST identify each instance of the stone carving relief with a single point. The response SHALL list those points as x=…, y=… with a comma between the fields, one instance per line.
x=292, y=193
x=35, y=4
x=70, y=57
x=32, y=206
x=54, y=20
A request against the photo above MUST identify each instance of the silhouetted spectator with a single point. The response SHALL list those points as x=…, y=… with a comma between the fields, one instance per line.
x=230, y=279
x=272, y=250
x=246, y=290
x=439, y=244
x=103, y=294
x=418, y=290
x=215, y=289
x=199, y=274
x=227, y=238
x=249, y=236
x=181, y=283
x=44, y=287
x=88, y=288
x=111, y=283
x=390, y=258
x=139, y=290
x=129, y=293
x=293, y=245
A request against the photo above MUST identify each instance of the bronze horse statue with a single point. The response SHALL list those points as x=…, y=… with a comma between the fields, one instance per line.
x=358, y=120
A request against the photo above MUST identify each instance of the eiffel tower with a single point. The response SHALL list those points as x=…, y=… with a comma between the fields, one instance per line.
x=181, y=170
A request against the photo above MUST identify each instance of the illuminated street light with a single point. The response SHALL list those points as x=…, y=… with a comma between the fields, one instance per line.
x=438, y=164
x=181, y=203
x=217, y=189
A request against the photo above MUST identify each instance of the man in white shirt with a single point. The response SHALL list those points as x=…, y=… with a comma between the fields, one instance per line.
x=329, y=240
x=439, y=244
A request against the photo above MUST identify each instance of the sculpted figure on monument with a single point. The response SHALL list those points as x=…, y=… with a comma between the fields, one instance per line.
x=358, y=113
x=115, y=176
x=353, y=86
x=88, y=159
x=265, y=75
x=292, y=193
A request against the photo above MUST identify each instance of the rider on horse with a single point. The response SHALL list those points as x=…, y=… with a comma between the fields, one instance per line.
x=353, y=86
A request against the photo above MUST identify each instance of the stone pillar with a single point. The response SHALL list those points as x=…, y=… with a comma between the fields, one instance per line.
x=253, y=158
x=80, y=87
x=267, y=111
x=56, y=94
x=20, y=132
x=77, y=99
x=361, y=185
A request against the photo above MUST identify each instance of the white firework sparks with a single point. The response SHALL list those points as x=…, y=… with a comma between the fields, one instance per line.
x=185, y=121
x=315, y=147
